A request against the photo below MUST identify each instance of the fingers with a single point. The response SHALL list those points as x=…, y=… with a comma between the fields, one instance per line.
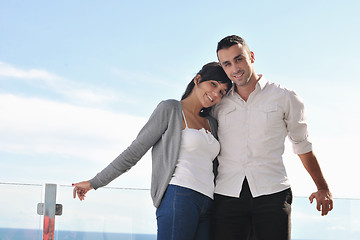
x=79, y=192
x=327, y=207
x=324, y=202
x=331, y=205
x=80, y=195
x=318, y=205
x=74, y=192
x=311, y=198
x=324, y=209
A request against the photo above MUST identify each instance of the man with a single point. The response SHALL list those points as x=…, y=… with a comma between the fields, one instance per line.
x=253, y=194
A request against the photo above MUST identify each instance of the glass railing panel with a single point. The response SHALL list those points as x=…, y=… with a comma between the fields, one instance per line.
x=120, y=213
x=130, y=213
x=107, y=213
x=343, y=222
x=18, y=211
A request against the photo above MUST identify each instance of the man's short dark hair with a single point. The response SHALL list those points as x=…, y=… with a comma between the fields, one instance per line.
x=232, y=40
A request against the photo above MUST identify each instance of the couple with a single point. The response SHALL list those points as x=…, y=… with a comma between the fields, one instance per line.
x=252, y=197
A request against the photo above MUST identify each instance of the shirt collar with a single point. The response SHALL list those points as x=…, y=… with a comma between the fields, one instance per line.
x=260, y=84
x=232, y=90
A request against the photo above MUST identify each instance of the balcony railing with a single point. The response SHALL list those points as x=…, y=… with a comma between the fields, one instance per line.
x=127, y=213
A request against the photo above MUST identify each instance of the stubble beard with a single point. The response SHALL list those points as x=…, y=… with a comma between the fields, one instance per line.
x=244, y=82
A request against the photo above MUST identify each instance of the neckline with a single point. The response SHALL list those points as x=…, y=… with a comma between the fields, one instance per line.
x=186, y=126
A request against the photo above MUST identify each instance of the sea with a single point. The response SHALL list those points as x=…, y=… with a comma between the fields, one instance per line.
x=35, y=234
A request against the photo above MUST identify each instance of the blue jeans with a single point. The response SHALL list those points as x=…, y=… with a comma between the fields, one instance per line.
x=183, y=214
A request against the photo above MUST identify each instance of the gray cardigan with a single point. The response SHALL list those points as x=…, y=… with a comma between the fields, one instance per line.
x=162, y=132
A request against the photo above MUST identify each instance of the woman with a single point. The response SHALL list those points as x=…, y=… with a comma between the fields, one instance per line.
x=183, y=140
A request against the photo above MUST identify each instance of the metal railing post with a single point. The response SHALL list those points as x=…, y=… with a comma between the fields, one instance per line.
x=49, y=209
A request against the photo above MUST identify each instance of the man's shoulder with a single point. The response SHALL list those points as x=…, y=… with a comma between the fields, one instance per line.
x=277, y=87
x=285, y=94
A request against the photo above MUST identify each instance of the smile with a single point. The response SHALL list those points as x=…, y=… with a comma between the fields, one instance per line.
x=238, y=75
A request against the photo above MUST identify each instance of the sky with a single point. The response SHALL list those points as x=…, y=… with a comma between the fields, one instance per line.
x=78, y=79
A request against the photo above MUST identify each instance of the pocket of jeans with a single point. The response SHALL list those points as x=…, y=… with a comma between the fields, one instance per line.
x=289, y=197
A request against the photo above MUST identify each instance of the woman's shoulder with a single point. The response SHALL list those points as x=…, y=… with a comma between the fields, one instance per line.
x=170, y=103
x=168, y=107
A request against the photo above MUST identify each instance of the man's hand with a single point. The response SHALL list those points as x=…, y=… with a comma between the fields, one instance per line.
x=323, y=195
x=324, y=201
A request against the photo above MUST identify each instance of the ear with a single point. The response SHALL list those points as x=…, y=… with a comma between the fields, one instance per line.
x=197, y=79
x=252, y=57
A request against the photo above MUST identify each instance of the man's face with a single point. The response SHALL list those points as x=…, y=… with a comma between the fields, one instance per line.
x=237, y=63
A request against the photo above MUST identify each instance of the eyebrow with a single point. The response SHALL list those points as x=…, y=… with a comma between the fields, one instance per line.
x=236, y=57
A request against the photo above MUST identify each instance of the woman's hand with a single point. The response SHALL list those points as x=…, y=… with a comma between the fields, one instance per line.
x=81, y=188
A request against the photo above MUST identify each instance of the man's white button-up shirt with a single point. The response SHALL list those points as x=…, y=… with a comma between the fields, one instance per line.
x=252, y=135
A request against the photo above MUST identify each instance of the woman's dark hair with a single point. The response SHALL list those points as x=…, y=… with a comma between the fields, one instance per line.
x=210, y=71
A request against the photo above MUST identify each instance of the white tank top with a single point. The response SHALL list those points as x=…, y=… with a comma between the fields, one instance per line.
x=194, y=168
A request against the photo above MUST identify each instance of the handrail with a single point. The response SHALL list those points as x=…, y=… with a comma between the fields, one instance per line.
x=134, y=188
x=65, y=185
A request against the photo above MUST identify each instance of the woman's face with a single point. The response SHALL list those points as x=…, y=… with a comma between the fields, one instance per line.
x=210, y=92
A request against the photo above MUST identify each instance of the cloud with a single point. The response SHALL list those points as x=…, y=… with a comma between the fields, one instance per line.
x=38, y=133
x=70, y=90
x=38, y=126
x=7, y=70
x=49, y=141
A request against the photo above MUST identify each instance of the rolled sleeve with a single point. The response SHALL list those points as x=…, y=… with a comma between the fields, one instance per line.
x=296, y=124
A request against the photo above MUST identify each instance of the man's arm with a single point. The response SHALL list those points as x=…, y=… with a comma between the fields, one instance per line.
x=323, y=195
